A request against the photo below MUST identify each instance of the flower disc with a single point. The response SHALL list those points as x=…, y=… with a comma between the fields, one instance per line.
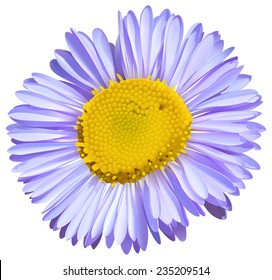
x=132, y=128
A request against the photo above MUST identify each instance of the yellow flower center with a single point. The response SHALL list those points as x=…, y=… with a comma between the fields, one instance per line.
x=132, y=128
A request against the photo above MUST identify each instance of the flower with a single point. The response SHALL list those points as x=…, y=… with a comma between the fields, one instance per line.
x=138, y=134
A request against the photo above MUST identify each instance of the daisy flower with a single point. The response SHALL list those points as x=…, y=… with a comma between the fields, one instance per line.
x=137, y=134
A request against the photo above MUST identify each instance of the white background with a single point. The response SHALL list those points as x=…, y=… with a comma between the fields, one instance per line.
x=237, y=248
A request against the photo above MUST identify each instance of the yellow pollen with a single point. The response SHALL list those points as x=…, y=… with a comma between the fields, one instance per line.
x=132, y=128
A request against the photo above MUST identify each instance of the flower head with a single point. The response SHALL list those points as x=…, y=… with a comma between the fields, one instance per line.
x=138, y=133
